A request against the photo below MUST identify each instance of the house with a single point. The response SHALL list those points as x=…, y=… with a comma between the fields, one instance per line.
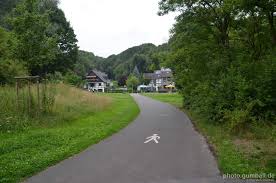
x=160, y=80
x=97, y=81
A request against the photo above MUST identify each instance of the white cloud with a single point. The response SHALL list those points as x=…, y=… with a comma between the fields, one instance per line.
x=107, y=27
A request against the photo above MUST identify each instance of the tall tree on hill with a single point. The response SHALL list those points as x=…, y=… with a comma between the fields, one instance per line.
x=36, y=49
x=66, y=39
x=46, y=41
x=6, y=7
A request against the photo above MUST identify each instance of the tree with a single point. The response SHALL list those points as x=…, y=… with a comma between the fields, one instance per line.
x=46, y=41
x=216, y=14
x=9, y=67
x=132, y=82
x=66, y=57
x=35, y=48
x=223, y=57
x=144, y=57
x=6, y=7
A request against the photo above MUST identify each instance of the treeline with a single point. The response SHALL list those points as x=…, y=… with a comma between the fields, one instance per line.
x=35, y=39
x=136, y=60
x=224, y=58
x=85, y=62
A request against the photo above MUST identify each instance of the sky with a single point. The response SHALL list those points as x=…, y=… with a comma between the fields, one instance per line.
x=107, y=27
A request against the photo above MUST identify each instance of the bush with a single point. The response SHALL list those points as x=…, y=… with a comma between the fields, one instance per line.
x=10, y=69
x=73, y=79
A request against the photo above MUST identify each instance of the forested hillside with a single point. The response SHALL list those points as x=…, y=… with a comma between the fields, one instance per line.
x=85, y=62
x=224, y=59
x=5, y=7
x=146, y=58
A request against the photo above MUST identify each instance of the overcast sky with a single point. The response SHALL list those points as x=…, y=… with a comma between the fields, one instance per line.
x=107, y=27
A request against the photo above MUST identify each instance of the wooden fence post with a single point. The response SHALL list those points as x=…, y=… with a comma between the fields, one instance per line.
x=29, y=96
x=38, y=95
x=17, y=96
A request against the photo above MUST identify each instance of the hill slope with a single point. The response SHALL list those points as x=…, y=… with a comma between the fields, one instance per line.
x=146, y=57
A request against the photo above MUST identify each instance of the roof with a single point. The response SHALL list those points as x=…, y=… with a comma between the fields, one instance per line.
x=163, y=73
x=103, y=76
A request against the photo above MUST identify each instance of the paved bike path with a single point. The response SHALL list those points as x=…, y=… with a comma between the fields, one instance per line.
x=181, y=155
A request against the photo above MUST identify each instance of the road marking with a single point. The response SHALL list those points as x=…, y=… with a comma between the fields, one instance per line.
x=154, y=138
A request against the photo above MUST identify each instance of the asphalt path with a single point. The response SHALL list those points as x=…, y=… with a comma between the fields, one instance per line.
x=177, y=154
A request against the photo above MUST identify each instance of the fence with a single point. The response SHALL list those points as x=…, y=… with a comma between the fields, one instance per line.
x=32, y=97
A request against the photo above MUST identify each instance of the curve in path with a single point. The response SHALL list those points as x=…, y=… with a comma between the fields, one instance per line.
x=181, y=155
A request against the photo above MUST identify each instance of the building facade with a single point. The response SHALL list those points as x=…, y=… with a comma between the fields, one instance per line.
x=160, y=80
x=97, y=81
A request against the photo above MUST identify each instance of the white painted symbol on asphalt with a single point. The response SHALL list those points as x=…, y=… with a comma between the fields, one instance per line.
x=154, y=137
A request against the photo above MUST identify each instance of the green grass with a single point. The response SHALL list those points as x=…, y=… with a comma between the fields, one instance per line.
x=172, y=98
x=59, y=104
x=24, y=153
x=252, y=152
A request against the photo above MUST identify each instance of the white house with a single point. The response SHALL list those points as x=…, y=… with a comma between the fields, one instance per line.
x=160, y=80
x=97, y=81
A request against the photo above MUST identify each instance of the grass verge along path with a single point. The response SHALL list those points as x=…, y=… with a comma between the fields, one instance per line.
x=248, y=153
x=25, y=153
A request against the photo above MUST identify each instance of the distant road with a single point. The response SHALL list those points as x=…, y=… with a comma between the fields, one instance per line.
x=176, y=154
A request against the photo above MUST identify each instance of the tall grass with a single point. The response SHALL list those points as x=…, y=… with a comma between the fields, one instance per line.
x=58, y=103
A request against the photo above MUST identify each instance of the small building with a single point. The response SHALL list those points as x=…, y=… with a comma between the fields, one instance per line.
x=160, y=80
x=143, y=88
x=97, y=81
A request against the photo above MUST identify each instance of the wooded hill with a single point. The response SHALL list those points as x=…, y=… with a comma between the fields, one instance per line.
x=146, y=58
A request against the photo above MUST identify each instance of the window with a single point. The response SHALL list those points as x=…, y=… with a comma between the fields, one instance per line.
x=100, y=84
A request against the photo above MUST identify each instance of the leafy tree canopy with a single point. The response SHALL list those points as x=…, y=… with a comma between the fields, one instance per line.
x=223, y=57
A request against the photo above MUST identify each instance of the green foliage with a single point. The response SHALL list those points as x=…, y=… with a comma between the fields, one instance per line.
x=73, y=79
x=8, y=66
x=132, y=82
x=70, y=78
x=223, y=57
x=5, y=8
x=115, y=84
x=146, y=58
x=35, y=48
x=86, y=61
x=9, y=69
x=66, y=57
x=40, y=39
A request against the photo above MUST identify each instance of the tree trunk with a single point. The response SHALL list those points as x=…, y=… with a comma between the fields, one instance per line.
x=272, y=27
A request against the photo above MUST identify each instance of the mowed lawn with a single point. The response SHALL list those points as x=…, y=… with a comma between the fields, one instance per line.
x=172, y=98
x=24, y=153
x=251, y=152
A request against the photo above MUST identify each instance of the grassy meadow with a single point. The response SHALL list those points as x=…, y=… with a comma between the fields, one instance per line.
x=75, y=120
x=58, y=103
x=253, y=151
